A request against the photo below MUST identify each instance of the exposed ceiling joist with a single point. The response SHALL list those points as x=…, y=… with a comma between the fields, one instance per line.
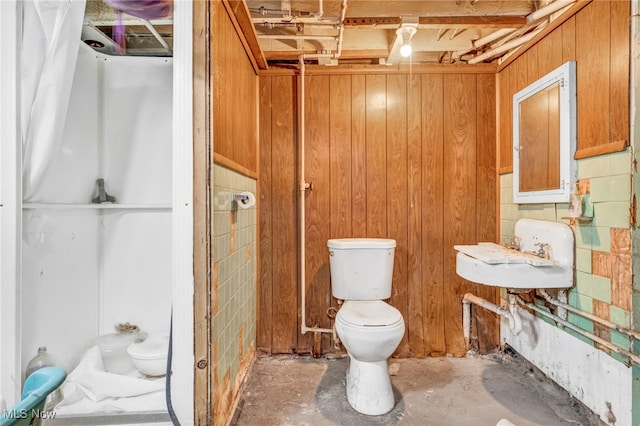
x=446, y=22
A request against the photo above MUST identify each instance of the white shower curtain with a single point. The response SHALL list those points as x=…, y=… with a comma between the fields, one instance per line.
x=51, y=36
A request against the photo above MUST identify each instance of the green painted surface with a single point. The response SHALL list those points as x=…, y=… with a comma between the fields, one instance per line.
x=236, y=272
x=610, y=188
x=601, y=238
x=605, y=165
x=583, y=260
x=619, y=316
x=611, y=214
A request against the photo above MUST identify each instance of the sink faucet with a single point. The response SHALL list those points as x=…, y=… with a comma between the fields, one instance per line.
x=514, y=243
x=544, y=251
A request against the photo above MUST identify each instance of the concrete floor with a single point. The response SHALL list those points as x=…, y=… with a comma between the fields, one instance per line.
x=477, y=390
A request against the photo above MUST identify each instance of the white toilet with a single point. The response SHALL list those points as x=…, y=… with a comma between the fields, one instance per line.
x=369, y=328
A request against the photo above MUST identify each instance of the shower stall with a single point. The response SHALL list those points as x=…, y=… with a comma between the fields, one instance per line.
x=98, y=235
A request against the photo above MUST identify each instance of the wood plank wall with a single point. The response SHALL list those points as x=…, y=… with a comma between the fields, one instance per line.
x=597, y=38
x=235, y=105
x=225, y=96
x=202, y=217
x=408, y=157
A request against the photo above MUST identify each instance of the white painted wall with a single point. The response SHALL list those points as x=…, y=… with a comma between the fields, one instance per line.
x=10, y=29
x=589, y=374
x=86, y=269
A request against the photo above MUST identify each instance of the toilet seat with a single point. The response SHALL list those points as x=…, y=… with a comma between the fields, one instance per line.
x=368, y=313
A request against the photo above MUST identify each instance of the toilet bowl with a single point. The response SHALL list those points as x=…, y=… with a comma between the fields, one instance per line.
x=150, y=355
x=369, y=328
x=370, y=331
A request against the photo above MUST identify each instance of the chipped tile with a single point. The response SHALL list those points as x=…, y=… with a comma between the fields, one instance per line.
x=601, y=310
x=621, y=281
x=621, y=241
x=601, y=264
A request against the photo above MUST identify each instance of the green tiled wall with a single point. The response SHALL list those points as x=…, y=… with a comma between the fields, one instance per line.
x=610, y=194
x=236, y=298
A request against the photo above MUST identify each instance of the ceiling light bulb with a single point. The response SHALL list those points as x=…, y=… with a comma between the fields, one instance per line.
x=406, y=33
x=405, y=50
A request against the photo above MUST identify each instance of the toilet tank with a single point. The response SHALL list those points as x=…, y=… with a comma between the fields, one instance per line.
x=361, y=268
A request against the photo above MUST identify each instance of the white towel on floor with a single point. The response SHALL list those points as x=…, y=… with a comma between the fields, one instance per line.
x=90, y=388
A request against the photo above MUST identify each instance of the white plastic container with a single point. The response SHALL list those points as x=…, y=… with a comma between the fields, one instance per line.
x=150, y=356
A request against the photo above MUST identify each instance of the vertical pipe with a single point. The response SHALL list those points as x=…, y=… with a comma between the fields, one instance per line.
x=304, y=186
x=302, y=189
x=320, y=11
x=301, y=192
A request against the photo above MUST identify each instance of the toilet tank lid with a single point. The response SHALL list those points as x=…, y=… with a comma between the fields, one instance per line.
x=358, y=243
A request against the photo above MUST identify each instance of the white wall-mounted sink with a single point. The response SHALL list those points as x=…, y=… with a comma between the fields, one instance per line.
x=494, y=265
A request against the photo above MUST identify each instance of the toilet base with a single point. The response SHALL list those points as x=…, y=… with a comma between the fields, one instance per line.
x=369, y=388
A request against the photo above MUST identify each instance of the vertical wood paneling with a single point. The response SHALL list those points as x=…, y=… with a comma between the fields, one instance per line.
x=284, y=204
x=486, y=157
x=235, y=94
x=202, y=223
x=397, y=201
x=602, y=73
x=531, y=57
x=340, y=155
x=265, y=214
x=433, y=248
x=552, y=58
x=460, y=194
x=390, y=156
x=592, y=55
x=520, y=76
x=340, y=168
x=359, y=156
x=486, y=323
x=448, y=194
x=415, y=319
x=376, y=131
x=619, y=75
x=568, y=30
x=505, y=114
x=318, y=204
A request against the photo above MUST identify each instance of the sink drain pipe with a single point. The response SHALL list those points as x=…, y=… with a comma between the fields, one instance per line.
x=515, y=324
